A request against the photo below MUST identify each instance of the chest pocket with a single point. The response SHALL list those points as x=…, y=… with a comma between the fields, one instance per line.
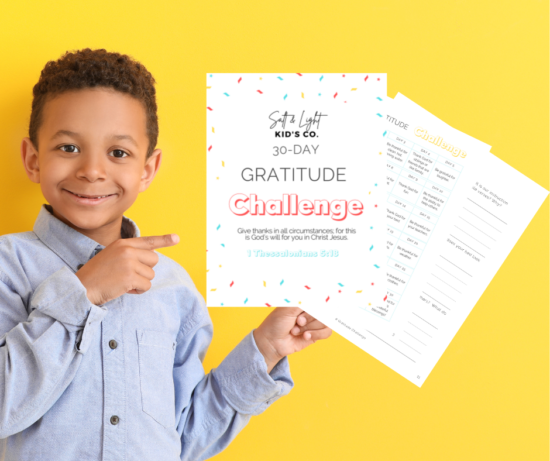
x=156, y=351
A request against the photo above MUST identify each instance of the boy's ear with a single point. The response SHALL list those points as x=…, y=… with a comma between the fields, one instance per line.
x=150, y=169
x=29, y=155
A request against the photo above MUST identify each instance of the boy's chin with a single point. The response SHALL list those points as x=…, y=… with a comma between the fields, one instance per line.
x=88, y=221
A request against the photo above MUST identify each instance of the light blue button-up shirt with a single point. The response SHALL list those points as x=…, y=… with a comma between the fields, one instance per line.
x=120, y=381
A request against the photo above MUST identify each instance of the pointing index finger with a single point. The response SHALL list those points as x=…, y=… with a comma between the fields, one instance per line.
x=153, y=242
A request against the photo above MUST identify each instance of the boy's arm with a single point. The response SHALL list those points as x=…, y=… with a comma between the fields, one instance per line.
x=214, y=408
x=41, y=352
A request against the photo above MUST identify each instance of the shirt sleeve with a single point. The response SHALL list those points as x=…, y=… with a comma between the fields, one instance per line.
x=215, y=407
x=39, y=355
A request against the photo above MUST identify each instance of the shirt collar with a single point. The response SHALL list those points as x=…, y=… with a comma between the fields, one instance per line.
x=70, y=245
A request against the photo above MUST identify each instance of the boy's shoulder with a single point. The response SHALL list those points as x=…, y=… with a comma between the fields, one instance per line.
x=16, y=246
x=15, y=249
x=8, y=239
x=172, y=267
x=170, y=274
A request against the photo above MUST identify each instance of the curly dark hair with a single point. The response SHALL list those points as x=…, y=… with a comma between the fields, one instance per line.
x=95, y=68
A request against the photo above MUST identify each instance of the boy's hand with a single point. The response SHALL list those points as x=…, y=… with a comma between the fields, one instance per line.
x=124, y=266
x=287, y=330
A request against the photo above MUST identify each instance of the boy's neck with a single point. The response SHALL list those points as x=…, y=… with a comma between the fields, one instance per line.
x=104, y=235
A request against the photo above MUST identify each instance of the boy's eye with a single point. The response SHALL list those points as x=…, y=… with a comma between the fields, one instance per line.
x=69, y=148
x=119, y=153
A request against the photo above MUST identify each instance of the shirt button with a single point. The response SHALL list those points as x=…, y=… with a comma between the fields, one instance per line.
x=113, y=344
x=114, y=420
x=79, y=267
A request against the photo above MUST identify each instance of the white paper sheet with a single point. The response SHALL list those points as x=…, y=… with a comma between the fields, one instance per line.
x=454, y=215
x=258, y=123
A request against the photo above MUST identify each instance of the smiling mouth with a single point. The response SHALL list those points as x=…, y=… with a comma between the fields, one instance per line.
x=89, y=196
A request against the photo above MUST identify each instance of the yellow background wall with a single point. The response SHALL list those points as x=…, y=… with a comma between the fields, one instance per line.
x=480, y=65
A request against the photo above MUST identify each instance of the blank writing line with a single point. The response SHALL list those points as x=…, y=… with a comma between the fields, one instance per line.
x=437, y=265
x=468, y=222
x=435, y=300
x=447, y=284
x=454, y=265
x=482, y=219
x=467, y=245
x=410, y=346
x=390, y=346
x=441, y=292
x=424, y=320
x=419, y=329
x=414, y=337
x=472, y=237
x=487, y=211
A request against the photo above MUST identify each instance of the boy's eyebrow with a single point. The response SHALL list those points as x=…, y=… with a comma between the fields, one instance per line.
x=125, y=136
x=67, y=132
x=77, y=135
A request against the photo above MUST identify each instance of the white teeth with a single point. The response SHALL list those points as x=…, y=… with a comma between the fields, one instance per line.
x=82, y=196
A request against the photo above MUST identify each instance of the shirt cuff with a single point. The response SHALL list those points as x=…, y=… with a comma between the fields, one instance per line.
x=63, y=297
x=244, y=381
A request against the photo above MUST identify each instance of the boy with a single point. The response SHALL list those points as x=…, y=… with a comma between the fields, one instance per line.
x=100, y=355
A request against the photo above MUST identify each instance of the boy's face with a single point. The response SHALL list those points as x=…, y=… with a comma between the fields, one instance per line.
x=92, y=144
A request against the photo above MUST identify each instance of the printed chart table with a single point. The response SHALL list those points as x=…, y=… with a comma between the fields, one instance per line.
x=420, y=183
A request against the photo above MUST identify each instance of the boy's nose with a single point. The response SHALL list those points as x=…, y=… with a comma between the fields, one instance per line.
x=92, y=168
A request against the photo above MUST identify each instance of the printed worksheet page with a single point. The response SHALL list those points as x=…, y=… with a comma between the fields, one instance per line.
x=454, y=213
x=296, y=194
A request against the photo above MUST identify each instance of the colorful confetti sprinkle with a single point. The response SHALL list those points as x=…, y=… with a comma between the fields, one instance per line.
x=209, y=148
x=287, y=300
x=268, y=305
x=219, y=225
x=209, y=108
x=299, y=74
x=340, y=284
x=307, y=287
x=384, y=133
x=379, y=98
x=285, y=96
x=359, y=291
x=282, y=281
x=239, y=81
x=371, y=247
x=379, y=115
x=280, y=78
x=245, y=301
x=226, y=94
x=335, y=94
x=385, y=297
x=321, y=79
x=259, y=91
x=377, y=266
x=354, y=89
x=231, y=284
x=264, y=283
x=328, y=297
x=366, y=78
